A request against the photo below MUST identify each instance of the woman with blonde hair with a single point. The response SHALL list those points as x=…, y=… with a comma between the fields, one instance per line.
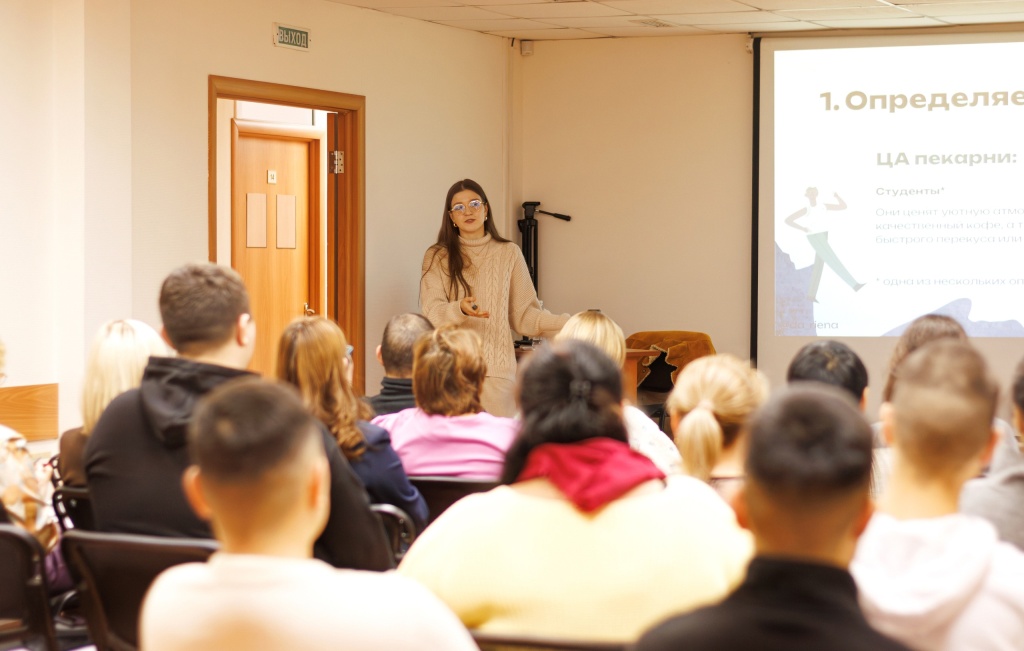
x=708, y=407
x=117, y=359
x=314, y=356
x=448, y=433
x=645, y=436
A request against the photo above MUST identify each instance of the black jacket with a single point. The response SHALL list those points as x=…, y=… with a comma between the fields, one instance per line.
x=136, y=455
x=783, y=605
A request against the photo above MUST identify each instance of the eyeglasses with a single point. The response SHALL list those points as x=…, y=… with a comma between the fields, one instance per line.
x=473, y=205
x=349, y=349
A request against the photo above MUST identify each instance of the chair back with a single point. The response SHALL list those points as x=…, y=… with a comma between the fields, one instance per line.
x=114, y=571
x=398, y=527
x=442, y=492
x=506, y=642
x=24, y=602
x=73, y=507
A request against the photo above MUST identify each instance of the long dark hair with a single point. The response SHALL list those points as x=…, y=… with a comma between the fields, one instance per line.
x=569, y=391
x=448, y=237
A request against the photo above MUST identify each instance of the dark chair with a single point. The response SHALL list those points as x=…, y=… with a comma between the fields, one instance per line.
x=442, y=492
x=113, y=573
x=55, y=477
x=74, y=509
x=24, y=603
x=507, y=642
x=398, y=526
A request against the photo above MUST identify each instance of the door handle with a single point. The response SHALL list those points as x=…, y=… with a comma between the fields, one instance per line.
x=308, y=310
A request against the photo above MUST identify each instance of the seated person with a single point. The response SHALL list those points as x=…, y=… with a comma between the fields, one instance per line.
x=708, y=407
x=584, y=539
x=833, y=363
x=929, y=576
x=117, y=358
x=644, y=434
x=262, y=480
x=136, y=454
x=448, y=433
x=314, y=356
x=395, y=354
x=998, y=497
x=806, y=501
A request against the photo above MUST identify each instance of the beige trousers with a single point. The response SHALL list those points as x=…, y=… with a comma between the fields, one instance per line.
x=498, y=397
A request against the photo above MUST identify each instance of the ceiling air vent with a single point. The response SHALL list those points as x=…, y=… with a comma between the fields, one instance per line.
x=653, y=22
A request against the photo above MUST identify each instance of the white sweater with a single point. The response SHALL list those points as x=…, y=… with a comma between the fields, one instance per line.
x=242, y=602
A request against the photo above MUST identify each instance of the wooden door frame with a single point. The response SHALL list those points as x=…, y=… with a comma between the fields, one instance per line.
x=348, y=225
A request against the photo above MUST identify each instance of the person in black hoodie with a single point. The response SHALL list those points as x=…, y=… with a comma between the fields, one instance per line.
x=136, y=454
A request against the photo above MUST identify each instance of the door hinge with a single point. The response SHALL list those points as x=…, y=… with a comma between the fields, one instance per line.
x=337, y=162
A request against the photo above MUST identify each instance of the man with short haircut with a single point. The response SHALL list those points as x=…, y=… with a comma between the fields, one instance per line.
x=806, y=501
x=135, y=456
x=261, y=478
x=395, y=354
x=833, y=363
x=929, y=576
x=998, y=497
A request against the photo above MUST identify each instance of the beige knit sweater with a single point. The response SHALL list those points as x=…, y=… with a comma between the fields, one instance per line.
x=500, y=281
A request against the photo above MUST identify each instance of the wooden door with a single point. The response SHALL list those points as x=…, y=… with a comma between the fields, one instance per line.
x=274, y=227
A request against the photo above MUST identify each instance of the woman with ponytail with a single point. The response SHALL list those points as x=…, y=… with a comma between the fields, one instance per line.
x=584, y=540
x=712, y=398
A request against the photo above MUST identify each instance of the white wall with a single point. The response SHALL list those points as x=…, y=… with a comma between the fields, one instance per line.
x=647, y=144
x=435, y=114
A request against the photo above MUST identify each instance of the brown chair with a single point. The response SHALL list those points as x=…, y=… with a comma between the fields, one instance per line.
x=506, y=642
x=398, y=527
x=24, y=603
x=442, y=492
x=114, y=571
x=73, y=507
x=657, y=375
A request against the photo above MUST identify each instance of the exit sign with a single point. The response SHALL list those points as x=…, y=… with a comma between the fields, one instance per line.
x=296, y=38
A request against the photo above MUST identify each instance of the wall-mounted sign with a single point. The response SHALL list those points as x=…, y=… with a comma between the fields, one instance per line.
x=295, y=38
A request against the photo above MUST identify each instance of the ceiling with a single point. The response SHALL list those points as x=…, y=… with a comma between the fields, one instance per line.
x=577, y=19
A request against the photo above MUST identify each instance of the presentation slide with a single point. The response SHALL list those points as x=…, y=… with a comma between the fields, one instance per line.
x=897, y=189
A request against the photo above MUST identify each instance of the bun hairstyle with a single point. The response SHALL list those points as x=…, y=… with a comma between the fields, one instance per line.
x=712, y=398
x=568, y=392
x=448, y=371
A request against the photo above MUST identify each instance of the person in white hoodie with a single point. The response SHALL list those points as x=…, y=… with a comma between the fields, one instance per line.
x=928, y=576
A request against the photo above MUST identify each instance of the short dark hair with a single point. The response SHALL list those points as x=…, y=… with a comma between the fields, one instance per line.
x=400, y=335
x=568, y=391
x=944, y=402
x=200, y=305
x=247, y=427
x=830, y=362
x=809, y=445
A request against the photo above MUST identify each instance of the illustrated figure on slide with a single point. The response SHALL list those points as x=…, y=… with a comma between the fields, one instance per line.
x=816, y=223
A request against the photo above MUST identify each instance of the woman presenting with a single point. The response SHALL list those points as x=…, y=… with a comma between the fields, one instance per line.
x=477, y=279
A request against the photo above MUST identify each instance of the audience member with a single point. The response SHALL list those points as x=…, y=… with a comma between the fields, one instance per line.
x=708, y=407
x=833, y=363
x=136, y=454
x=116, y=361
x=998, y=497
x=929, y=576
x=314, y=356
x=395, y=354
x=448, y=433
x=644, y=434
x=922, y=330
x=806, y=501
x=261, y=478
x=25, y=497
x=584, y=539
